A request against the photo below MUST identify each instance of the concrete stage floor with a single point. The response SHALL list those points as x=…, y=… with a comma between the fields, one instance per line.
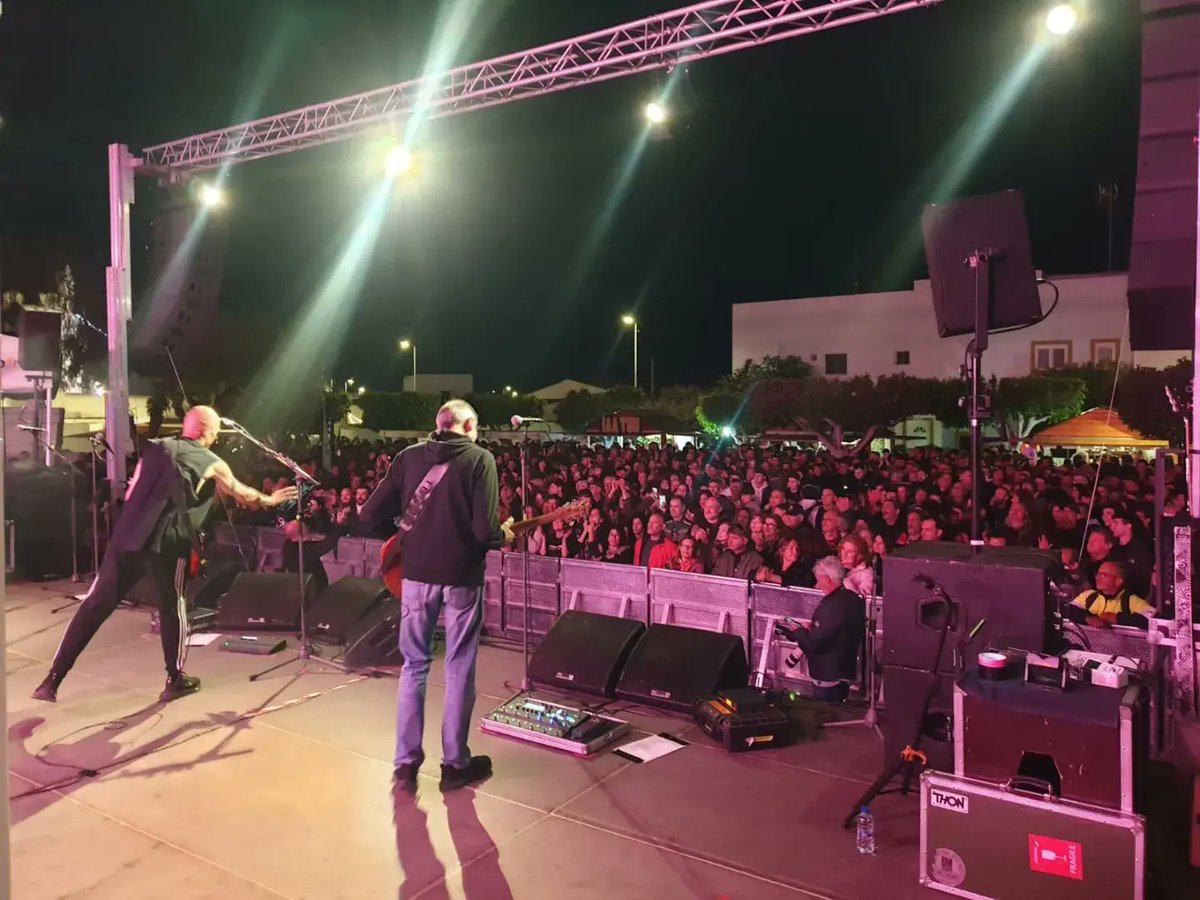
x=195, y=800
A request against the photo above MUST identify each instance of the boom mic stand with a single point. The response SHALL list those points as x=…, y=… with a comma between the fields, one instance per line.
x=911, y=757
x=305, y=652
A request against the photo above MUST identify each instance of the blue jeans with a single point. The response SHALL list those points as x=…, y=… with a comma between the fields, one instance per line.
x=464, y=621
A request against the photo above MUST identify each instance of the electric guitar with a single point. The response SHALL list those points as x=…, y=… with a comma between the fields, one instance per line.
x=391, y=556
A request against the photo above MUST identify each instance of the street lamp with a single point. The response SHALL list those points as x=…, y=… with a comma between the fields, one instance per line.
x=405, y=346
x=361, y=390
x=628, y=319
x=346, y=385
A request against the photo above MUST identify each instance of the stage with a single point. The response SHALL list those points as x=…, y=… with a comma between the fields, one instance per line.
x=297, y=801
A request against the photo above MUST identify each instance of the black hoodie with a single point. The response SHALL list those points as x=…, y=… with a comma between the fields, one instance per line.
x=461, y=519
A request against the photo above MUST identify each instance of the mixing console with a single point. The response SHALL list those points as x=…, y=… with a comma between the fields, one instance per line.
x=553, y=725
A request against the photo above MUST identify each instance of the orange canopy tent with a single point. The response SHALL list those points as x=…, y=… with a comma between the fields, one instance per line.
x=1099, y=427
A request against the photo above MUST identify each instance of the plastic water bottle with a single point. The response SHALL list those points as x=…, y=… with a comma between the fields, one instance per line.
x=865, y=831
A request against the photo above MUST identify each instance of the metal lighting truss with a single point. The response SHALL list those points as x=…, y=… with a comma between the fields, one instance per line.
x=657, y=42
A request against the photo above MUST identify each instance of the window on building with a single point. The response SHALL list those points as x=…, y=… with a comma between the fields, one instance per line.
x=902, y=357
x=1105, y=350
x=1049, y=355
x=835, y=363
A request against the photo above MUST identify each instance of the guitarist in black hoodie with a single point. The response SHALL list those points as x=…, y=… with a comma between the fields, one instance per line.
x=444, y=548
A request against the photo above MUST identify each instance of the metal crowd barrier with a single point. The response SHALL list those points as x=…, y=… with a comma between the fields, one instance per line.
x=731, y=606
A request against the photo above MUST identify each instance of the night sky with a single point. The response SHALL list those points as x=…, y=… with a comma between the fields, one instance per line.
x=790, y=170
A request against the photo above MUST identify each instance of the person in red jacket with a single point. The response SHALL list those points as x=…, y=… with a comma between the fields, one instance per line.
x=654, y=549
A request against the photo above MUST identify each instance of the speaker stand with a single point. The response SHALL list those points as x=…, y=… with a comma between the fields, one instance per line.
x=978, y=406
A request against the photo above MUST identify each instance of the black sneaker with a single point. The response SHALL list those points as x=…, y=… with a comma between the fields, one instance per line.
x=47, y=690
x=478, y=769
x=405, y=776
x=179, y=686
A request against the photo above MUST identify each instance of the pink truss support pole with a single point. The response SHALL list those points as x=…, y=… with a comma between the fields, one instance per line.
x=692, y=33
x=117, y=283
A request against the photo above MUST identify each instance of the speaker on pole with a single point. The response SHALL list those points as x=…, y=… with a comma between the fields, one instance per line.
x=39, y=332
x=1162, y=261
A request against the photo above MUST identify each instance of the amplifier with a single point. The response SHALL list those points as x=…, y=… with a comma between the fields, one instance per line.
x=986, y=840
x=743, y=720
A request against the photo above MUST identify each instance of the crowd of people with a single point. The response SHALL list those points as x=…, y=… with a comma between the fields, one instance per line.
x=769, y=512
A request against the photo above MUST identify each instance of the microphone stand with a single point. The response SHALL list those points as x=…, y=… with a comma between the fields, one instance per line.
x=305, y=652
x=526, y=684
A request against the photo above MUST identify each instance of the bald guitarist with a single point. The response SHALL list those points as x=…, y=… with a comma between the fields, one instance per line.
x=168, y=499
x=445, y=543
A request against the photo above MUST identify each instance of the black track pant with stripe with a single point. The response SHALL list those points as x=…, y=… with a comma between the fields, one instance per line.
x=118, y=575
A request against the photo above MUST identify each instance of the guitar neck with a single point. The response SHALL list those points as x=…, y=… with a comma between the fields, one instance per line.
x=545, y=519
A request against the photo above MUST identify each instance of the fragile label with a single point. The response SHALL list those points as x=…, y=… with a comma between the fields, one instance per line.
x=1054, y=856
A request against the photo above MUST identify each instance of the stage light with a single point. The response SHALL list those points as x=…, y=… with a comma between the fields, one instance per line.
x=726, y=431
x=655, y=112
x=1062, y=19
x=211, y=196
x=398, y=162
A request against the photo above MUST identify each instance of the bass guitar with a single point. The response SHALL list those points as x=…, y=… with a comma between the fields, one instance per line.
x=391, y=556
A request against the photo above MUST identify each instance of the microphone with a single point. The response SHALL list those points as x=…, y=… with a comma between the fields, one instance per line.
x=229, y=423
x=31, y=428
x=518, y=421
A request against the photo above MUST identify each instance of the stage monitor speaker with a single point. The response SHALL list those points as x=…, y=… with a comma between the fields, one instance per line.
x=1007, y=587
x=374, y=639
x=904, y=691
x=674, y=667
x=953, y=233
x=333, y=615
x=39, y=332
x=263, y=601
x=584, y=651
x=1162, y=261
x=203, y=592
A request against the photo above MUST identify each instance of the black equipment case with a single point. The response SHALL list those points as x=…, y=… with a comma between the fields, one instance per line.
x=986, y=840
x=743, y=720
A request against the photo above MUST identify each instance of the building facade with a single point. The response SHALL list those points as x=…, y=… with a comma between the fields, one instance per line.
x=896, y=333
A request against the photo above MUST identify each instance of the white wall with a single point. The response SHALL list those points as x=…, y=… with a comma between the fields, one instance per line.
x=871, y=328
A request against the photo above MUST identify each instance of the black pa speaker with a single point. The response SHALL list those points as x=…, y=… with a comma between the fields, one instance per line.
x=584, y=651
x=263, y=601
x=954, y=232
x=904, y=692
x=334, y=614
x=40, y=334
x=374, y=639
x=1162, y=257
x=673, y=666
x=1006, y=586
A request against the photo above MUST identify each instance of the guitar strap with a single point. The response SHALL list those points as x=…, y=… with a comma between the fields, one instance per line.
x=416, y=503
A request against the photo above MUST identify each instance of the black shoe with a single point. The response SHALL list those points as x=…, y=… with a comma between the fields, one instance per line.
x=478, y=769
x=47, y=690
x=179, y=686
x=405, y=776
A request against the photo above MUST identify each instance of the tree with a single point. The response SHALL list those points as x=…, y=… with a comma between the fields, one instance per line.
x=769, y=368
x=1022, y=404
x=834, y=409
x=680, y=403
x=497, y=410
x=722, y=409
x=388, y=411
x=1142, y=399
x=579, y=409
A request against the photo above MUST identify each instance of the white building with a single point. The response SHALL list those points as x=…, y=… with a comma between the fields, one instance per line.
x=896, y=332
